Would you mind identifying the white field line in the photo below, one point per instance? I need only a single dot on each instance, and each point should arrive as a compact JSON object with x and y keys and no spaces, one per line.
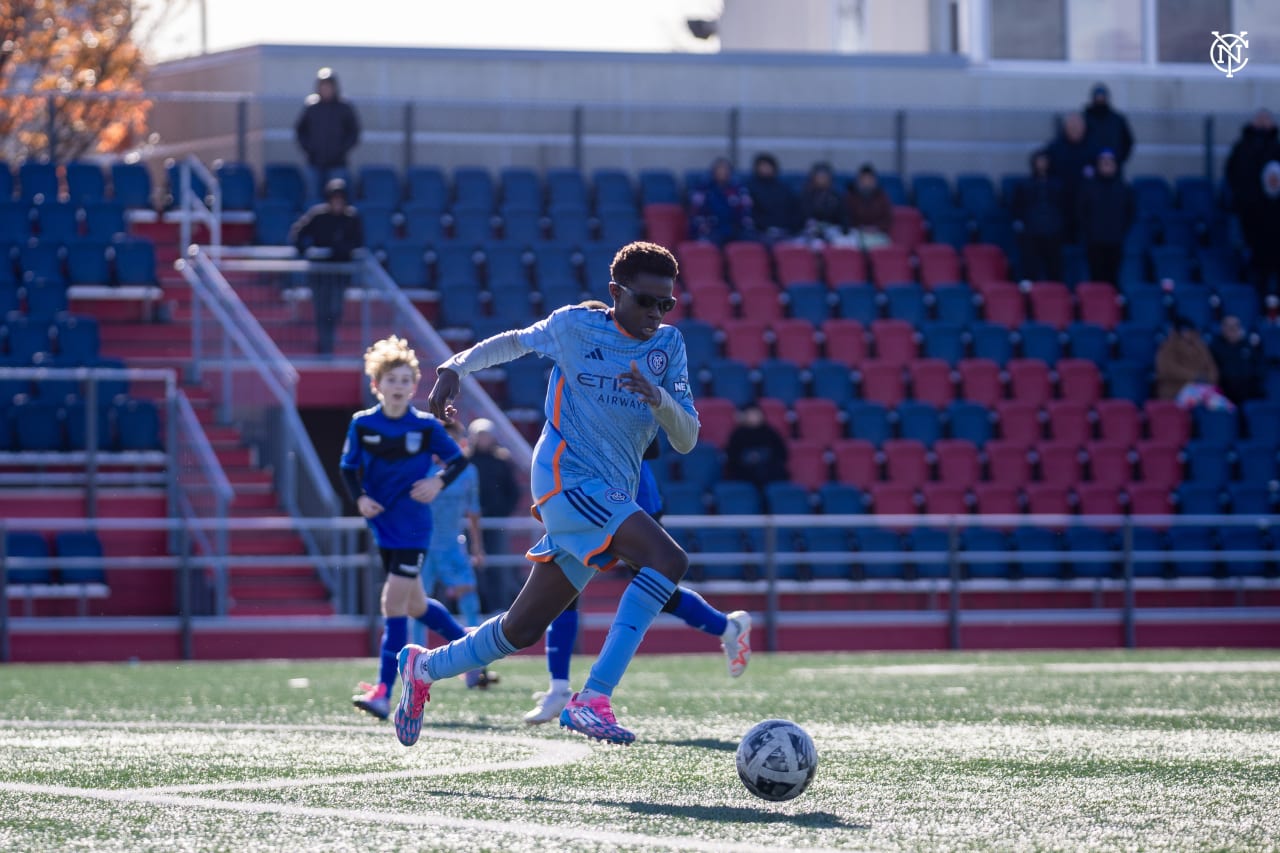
{"x":550,"y":753}
{"x":1101,"y":668}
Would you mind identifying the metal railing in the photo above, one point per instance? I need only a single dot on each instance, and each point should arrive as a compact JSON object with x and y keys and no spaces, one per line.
{"x":194,"y":208}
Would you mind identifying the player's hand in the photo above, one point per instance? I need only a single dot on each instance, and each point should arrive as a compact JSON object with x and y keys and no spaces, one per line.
{"x":637,"y":383}
{"x":368,"y":507}
{"x":443,"y":393}
{"x":425,"y":490}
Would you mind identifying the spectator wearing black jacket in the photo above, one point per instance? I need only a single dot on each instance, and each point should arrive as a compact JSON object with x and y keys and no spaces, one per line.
{"x":821,"y":205}
{"x":1251,"y":201}
{"x":774,"y":207}
{"x":336,"y":230}
{"x":755,"y":452}
{"x":1239,"y":362}
{"x":1071,"y":160}
{"x":1105,"y":211}
{"x":1107,"y":128}
{"x":1038,"y":219}
{"x":327,"y":130}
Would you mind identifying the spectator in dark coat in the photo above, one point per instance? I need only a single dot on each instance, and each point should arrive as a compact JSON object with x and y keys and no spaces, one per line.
{"x":499,"y":494}
{"x":755,"y":453}
{"x":870,"y":208}
{"x":1252,"y":200}
{"x":1106,"y":128}
{"x":1239,"y":362}
{"x":334,"y":228}
{"x":1038,"y":219}
{"x":1106,"y":211}
{"x":720,"y":209}
{"x":774,"y":207}
{"x":1260,"y":223}
{"x":327,"y":130}
{"x":821,"y":206}
{"x":1071,"y":160}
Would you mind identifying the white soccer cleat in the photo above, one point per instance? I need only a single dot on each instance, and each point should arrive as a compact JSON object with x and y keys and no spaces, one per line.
{"x":736,"y":642}
{"x":549,"y":706}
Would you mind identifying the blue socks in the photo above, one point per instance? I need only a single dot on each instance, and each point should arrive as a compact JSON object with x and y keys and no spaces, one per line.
{"x":395,"y":632}
{"x":438,"y":618}
{"x":561,"y":636}
{"x":476,"y":650}
{"x":641,"y":602}
{"x":696,"y":613}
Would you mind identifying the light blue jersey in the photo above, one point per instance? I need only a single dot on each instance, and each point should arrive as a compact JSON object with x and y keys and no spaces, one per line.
{"x":451,"y":506}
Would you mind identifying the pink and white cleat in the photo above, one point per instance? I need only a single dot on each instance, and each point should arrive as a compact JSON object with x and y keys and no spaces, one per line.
{"x":594,"y":718}
{"x":373,"y":699}
{"x":736,"y":642}
{"x":413,"y":698}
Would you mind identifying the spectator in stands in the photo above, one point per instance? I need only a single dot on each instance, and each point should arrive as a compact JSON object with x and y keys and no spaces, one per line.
{"x":821,"y":207}
{"x":1239,"y":362}
{"x":1105,"y":211}
{"x":1038,"y":219}
{"x":335,"y":229}
{"x":1260,"y":224}
{"x":1106,"y":128}
{"x":1183,"y":360}
{"x":499,"y":495}
{"x":870,"y":209}
{"x":1257,"y":146}
{"x":1071,"y":160}
{"x":755,"y":453}
{"x":720,"y":209}
{"x":774,"y":207}
{"x":327,"y":130}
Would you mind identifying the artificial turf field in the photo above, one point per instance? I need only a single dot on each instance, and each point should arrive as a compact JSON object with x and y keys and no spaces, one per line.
{"x":1134,"y":751}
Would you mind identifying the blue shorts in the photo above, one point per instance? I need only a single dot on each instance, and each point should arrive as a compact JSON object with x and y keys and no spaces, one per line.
{"x":450,"y":567}
{"x":580,"y":525}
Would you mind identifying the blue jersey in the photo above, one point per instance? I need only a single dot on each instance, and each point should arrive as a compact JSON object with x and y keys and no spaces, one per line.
{"x":451,"y":507}
{"x":392,"y":454}
{"x":595,"y":428}
{"x":647,"y":494}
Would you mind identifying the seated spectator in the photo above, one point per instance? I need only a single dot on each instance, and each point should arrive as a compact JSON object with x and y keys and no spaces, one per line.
{"x":823,"y":211}
{"x":1105,"y":211}
{"x":774,"y":207}
{"x":1071,"y":160}
{"x":1260,"y":222}
{"x":1254,"y":199}
{"x":1239,"y":362}
{"x":1182,"y":361}
{"x":1105,"y":127}
{"x":336,"y":230}
{"x":720,"y":209}
{"x":755,"y":453}
{"x":1038,"y":219}
{"x":870,"y":209}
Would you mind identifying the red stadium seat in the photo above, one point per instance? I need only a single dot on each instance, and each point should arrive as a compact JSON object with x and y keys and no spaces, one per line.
{"x":1159,"y":464}
{"x":882,"y":382}
{"x":1109,"y":464}
{"x":1059,"y":463}
{"x":807,"y":464}
{"x":760,"y":301}
{"x":984,"y":262}
{"x":906,"y":462}
{"x":1047,"y":499}
{"x":796,"y":341}
{"x":891,"y":265}
{"x":939,"y":264}
{"x":1167,"y":422}
{"x":980,"y":381}
{"x":1069,"y":422}
{"x":895,"y":341}
{"x":666,"y":224}
{"x":907,"y":228}
{"x":1008,"y":463}
{"x":856,"y":462}
{"x":680,"y":312}
{"x":700,"y":261}
{"x":1029,"y":381}
{"x":745,"y":341}
{"x":958,"y":462}
{"x":818,"y":420}
{"x":1118,"y":421}
{"x":1079,"y":380}
{"x":1098,"y":303}
{"x":996,"y":499}
{"x":795,"y":264}
{"x":1098,"y":499}
{"x":748,"y":263}
{"x":1019,"y":422}
{"x":844,"y":341}
{"x":776,"y":415}
{"x":1150,"y":499}
{"x":1003,"y":304}
{"x":893,"y":499}
{"x":931,"y":381}
{"x":844,"y":265}
{"x":718,"y":417}
{"x":944,"y":499}
{"x":1051,"y":304}
{"x":710,"y":301}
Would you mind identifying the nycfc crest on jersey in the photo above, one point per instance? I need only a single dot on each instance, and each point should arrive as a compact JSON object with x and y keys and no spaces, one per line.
{"x":657,"y":361}
{"x":618,"y":496}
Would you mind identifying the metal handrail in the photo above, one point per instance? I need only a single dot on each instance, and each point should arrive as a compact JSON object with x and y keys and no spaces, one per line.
{"x":194,"y":209}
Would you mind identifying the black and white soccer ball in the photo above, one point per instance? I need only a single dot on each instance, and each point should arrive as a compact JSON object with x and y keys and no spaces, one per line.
{"x":777,"y":760}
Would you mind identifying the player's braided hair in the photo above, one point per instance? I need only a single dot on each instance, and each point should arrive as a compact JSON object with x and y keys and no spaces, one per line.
{"x":636,"y":258}
{"x":388,"y":354}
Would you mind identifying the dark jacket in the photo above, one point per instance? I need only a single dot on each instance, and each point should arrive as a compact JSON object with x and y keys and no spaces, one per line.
{"x":720,"y":213}
{"x":1106,"y":128}
{"x":755,"y":455}
{"x":1070,"y":162}
{"x":1239,"y":369}
{"x":1038,"y":206}
{"x":1105,"y":210}
{"x":873,"y":211}
{"x":495,"y":476}
{"x":340,"y":233}
{"x":1253,"y":150}
{"x":327,"y":130}
{"x":773,"y":205}
{"x":824,"y":206}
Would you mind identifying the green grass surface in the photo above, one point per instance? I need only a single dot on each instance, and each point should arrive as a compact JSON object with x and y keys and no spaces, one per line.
{"x":1134,"y":751}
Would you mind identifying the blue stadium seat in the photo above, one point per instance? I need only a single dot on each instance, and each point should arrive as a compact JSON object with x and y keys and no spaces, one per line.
{"x":619,"y":225}
{"x":1262,"y":419}
{"x":596,"y":261}
{"x":905,"y":302}
{"x":10,"y":388}
{"x":1208,"y":463}
{"x":273,"y":220}
{"x":874,"y":540}
{"x":1192,"y":539}
{"x":930,"y":541}
{"x":1035,"y":539}
{"x":237,"y":182}
{"x":6,"y":181}
{"x":1177,"y":229}
{"x":135,"y":262}
{"x":521,"y":188}
{"x":378,"y":185}
{"x":86,"y":183}
{"x":781,"y":380}
{"x":841,"y":499}
{"x":104,"y":220}
{"x":80,"y":545}
{"x":15,"y":222}
{"x":1255,"y":498}
{"x":657,"y":186}
{"x":41,"y":261}
{"x":997,"y":228}
{"x":78,"y":340}
{"x":19,"y":543}
{"x":173,"y":172}
{"x":954,"y":303}
{"x":406,"y":263}
{"x":1145,"y":306}
{"x":504,"y":265}
{"x":977,"y":194}
{"x":38,"y":181}
{"x":700,"y":343}
{"x":991,"y":341}
{"x":1040,"y":341}
{"x":26,"y":337}
{"x":684,"y":498}
{"x":473,"y":187}
{"x":423,"y":222}
{"x":731,"y":380}
{"x":1152,"y":195}
{"x":566,"y":187}
{"x":570,"y":225}
{"x":931,"y":193}
{"x":138,"y":425}
{"x":700,"y":467}
{"x":944,"y":341}
{"x":830,"y":380}
{"x":521,"y":226}
{"x":45,"y":299}
{"x":1245,"y":539}
{"x":77,"y":428}
{"x":57,"y":222}
{"x":1128,"y":380}
{"x":893,"y":187}
{"x":732,"y":497}
{"x":1147,"y":540}
{"x":460,"y":307}
{"x":379,"y":224}
{"x":785,"y":498}
{"x":472,"y":225}
{"x":37,"y":426}
{"x":426,"y":186}
{"x":87,"y":263}
{"x":1137,"y":343}
{"x":1216,"y":426}
{"x":1192,"y":302}
{"x":1239,"y":300}
{"x":284,"y":182}
{"x":974,"y":539}
{"x":456,"y":269}
{"x":1089,"y":341}
{"x":1257,"y":460}
{"x":1090,"y":539}
{"x":1171,"y":262}
{"x":526,"y":381}
{"x":858,"y":302}
{"x":110,"y":389}
{"x":1196,"y":197}
{"x":919,"y":421}
{"x":554,"y":262}
{"x":721,"y":541}
{"x":868,"y":421}
{"x":950,"y":226}
{"x":1198,"y":499}
{"x":809,"y":301}
{"x":612,"y":187}
{"x":131,"y":185}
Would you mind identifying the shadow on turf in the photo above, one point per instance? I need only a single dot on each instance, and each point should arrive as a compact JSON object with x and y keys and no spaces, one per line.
{"x":728,"y":814}
{"x":704,"y":743}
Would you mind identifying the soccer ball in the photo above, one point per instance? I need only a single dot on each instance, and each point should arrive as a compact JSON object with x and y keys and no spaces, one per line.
{"x":777,"y":760}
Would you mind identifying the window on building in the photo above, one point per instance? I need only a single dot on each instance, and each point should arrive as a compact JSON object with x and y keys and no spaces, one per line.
{"x":1028,"y":29}
{"x":1184,"y":28}
{"x":1105,"y":30}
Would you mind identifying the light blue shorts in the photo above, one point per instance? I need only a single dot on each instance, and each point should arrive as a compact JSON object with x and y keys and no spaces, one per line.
{"x":447,"y":566}
{"x":580,"y":525}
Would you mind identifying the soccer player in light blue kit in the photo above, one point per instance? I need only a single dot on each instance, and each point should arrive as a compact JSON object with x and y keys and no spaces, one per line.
{"x":619,"y":375}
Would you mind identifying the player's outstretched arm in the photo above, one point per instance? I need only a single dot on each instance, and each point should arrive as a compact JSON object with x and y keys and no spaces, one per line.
{"x":443,"y":393}
{"x":680,"y":425}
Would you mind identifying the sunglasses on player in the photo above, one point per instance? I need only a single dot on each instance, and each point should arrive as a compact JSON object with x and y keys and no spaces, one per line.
{"x":666,"y":304}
